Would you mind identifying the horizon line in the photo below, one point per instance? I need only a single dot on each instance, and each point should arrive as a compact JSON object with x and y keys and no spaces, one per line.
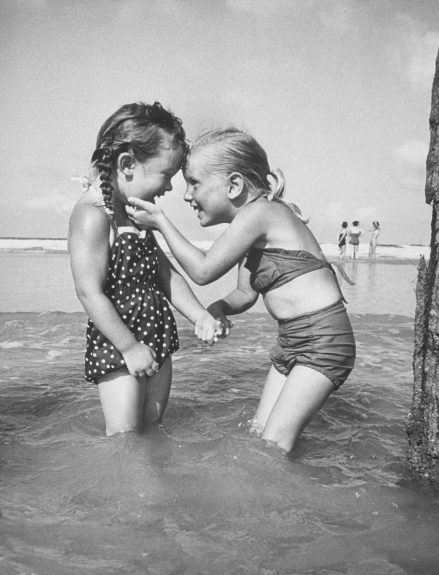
{"x":389,"y":245}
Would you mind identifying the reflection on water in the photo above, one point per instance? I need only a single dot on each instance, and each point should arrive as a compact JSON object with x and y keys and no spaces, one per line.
{"x":382,"y":288}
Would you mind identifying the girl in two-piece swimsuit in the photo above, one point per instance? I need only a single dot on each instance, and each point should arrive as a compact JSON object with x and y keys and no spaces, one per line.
{"x":229,"y":181}
{"x":322,"y":339}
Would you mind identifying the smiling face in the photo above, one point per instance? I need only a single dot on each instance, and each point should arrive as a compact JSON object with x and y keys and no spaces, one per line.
{"x":151,"y":178}
{"x":207,"y":194}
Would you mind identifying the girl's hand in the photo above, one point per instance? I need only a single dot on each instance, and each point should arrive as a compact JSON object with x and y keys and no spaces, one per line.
{"x":140,"y":360}
{"x":216,"y":310}
{"x":143,"y":214}
{"x":208,"y":329}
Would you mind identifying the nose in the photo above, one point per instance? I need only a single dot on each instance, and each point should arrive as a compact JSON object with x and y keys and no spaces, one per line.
{"x":169,"y":187}
{"x":188,"y":195}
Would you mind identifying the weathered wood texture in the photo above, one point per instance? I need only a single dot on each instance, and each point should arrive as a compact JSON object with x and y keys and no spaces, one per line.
{"x":423,"y":421}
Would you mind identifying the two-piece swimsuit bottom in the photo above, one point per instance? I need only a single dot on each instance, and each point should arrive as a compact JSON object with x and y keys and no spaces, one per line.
{"x":323,"y":339}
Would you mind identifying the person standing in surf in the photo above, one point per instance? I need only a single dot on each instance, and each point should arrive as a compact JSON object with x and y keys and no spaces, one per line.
{"x":229,"y":181}
{"x":122,"y":277}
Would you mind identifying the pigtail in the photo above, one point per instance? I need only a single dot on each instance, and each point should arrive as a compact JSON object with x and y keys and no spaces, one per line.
{"x":103,"y":160}
{"x":277,"y":191}
{"x":277,"y":183}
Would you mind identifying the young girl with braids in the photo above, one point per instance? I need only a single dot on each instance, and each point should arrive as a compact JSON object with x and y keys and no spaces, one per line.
{"x":229,"y":181}
{"x":122,"y":277}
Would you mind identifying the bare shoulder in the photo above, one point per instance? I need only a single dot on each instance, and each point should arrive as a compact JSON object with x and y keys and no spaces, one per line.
{"x":87,"y":218}
{"x":269,"y":215}
{"x":257,"y":211}
{"x":252,"y":220}
{"x":277,"y":212}
{"x":284,"y":229}
{"x":88,"y":207}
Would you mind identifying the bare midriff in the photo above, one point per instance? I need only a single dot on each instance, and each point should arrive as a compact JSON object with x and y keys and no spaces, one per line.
{"x":304,"y":294}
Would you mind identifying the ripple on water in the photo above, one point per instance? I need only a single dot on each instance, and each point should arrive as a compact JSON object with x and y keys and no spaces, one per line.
{"x":199,"y":492}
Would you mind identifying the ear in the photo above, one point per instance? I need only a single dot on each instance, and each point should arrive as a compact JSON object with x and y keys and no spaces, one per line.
{"x":125,"y":163}
{"x":235,"y":185}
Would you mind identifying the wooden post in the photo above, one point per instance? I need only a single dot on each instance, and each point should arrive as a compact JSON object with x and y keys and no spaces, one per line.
{"x":423,"y":420}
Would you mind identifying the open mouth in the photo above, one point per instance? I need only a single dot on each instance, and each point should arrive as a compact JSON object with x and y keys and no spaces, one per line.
{"x":197,"y":209}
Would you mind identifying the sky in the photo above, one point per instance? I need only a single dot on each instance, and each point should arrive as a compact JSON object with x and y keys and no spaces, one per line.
{"x":338,"y":92}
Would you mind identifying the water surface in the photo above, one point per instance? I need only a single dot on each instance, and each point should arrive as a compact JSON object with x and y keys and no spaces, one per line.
{"x":200,"y":495}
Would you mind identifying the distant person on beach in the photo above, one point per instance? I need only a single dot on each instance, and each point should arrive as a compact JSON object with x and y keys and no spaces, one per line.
{"x":122,"y":277}
{"x":342,"y":235}
{"x":229,"y":181}
{"x":375,"y":232}
{"x":355,"y":234}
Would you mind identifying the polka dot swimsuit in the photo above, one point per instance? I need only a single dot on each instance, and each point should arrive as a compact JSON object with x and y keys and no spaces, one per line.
{"x":132,"y":287}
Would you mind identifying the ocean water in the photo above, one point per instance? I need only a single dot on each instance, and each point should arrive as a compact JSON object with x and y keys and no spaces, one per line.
{"x":199,"y":495}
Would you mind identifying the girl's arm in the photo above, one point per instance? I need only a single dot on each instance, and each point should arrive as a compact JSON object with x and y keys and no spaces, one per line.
{"x":180,"y":294}
{"x":242,"y":298}
{"x":89,"y":254}
{"x":203,"y":267}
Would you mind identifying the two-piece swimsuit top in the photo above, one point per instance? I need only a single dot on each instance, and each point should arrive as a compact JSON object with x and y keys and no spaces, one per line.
{"x":271,"y":268}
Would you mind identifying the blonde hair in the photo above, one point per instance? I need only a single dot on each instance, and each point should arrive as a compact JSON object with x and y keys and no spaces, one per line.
{"x":228,"y":150}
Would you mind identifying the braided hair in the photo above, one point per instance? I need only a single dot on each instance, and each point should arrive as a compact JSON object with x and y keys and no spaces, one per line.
{"x":136,"y":128}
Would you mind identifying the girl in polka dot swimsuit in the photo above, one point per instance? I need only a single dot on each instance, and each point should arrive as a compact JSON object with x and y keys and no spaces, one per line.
{"x":122,"y":277}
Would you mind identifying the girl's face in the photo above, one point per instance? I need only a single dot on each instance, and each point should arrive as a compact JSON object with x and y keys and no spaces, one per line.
{"x":152,"y":178}
{"x":206,"y":193}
